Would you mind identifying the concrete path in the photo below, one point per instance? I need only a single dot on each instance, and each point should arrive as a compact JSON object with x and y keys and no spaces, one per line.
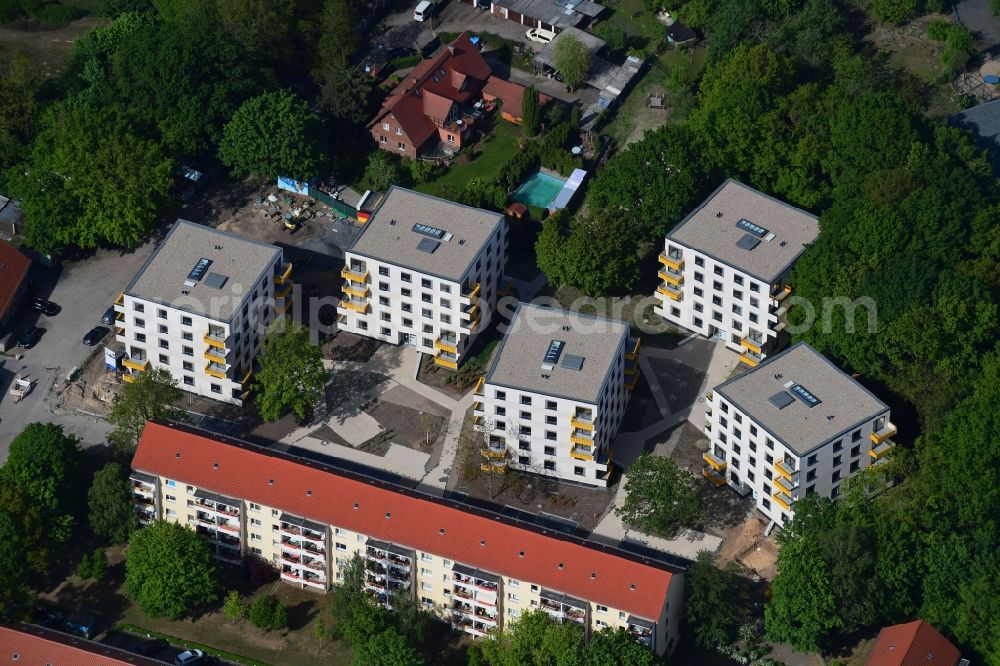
{"x":717,"y":363}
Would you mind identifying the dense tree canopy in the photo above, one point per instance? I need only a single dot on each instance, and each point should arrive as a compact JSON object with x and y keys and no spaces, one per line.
{"x":169,"y":570}
{"x":572,"y":59}
{"x":150,"y":397}
{"x":660,"y":497}
{"x":112,"y":512}
{"x":274,"y":134}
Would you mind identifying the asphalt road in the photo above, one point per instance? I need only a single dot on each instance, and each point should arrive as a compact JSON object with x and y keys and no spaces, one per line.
{"x":84,"y":289}
{"x":132,"y":642}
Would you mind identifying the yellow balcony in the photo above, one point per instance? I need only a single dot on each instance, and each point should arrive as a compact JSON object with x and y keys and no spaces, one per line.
{"x":215,"y":357}
{"x":783,"y":485}
{"x":879,"y":451}
{"x":445,"y":362}
{"x":581,"y":454}
{"x":473,"y":313}
{"x":449,"y":345}
{"x":675,"y":262}
{"x":215,"y":340}
{"x":671,"y":294}
{"x":473,"y":293}
{"x":128,"y":378}
{"x":246,"y":377}
{"x":283,"y":292}
{"x":500,"y":468}
{"x":363,"y":308}
{"x":631,"y":383}
{"x":713,"y":476}
{"x":283,"y":278}
{"x":285,"y":305}
{"x":354,"y":276}
{"x":887,"y":431}
{"x":670,"y":278}
{"x":751,"y":344}
{"x":119,"y":316}
{"x":581,"y":423}
{"x":121,"y":299}
{"x":749,"y":359}
{"x":477,"y":406}
{"x":478,"y":390}
{"x":577,"y":439}
{"x":493,"y":454}
{"x":714,"y":461}
{"x":783,"y":293}
{"x":214,"y":370}
{"x":783,"y":500}
{"x":353,"y":290}
{"x":138,"y":364}
{"x":785,"y":470}
{"x":119,"y":329}
{"x":633,"y":351}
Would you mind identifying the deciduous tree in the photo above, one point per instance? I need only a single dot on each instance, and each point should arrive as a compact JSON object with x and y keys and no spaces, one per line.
{"x":112,"y":513}
{"x":151,"y":396}
{"x":388,"y":648}
{"x":616,"y":647}
{"x":291,"y":374}
{"x":14,"y":595}
{"x":274,"y":134}
{"x":715,"y":602}
{"x":572,"y":59}
{"x":234,"y":607}
{"x":169,"y":570}
{"x":660,"y":497}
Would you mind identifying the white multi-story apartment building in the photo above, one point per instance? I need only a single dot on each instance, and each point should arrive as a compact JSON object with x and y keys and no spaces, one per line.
{"x":725,"y":266}
{"x":795,"y":424}
{"x":198,"y":308}
{"x":556,"y":394}
{"x":472,"y":568}
{"x":424,"y":272}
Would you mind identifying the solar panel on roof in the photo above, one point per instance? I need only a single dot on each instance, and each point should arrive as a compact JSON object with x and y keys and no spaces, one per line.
{"x":552,"y":354}
{"x":427,"y":245}
{"x":431,"y":232}
{"x":572,"y":361}
{"x":198,"y":272}
{"x":747,"y":242}
{"x":781,"y":400}
{"x":750,"y":227}
{"x":805,"y":396}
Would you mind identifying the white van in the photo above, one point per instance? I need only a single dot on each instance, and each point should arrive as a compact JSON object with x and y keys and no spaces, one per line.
{"x":423,"y":10}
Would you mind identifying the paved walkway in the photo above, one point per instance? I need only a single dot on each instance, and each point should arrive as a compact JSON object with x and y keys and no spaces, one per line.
{"x":717,"y":363}
{"x":399,"y":365}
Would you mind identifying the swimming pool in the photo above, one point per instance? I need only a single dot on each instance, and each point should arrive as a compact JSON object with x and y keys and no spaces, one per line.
{"x":539,"y":190}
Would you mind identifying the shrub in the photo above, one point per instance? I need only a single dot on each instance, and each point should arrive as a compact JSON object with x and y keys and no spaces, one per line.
{"x":56,"y":15}
{"x":614,"y":36}
{"x":93,"y":565}
{"x":262,"y":612}
{"x":938,"y":30}
{"x":995,"y":6}
{"x":894,"y":11}
{"x":10,"y":10}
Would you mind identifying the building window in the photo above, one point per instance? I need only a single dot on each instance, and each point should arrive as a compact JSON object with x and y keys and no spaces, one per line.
{"x":164,"y":359}
{"x":216,"y":388}
{"x":578,"y":471}
{"x":161,"y":329}
{"x":602,"y":609}
{"x":549,"y":465}
{"x":185,"y":321}
{"x":187,"y":351}
{"x":426,"y":587}
{"x":164,"y":344}
{"x":341,"y":546}
{"x":426,"y":557}
{"x":550,"y":404}
{"x":138,"y":307}
{"x":188,"y":381}
{"x":550,"y":435}
{"x":550,"y":450}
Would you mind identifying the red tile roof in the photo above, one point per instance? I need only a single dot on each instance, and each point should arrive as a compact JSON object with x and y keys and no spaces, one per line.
{"x":36,"y":646}
{"x":915,"y":643}
{"x":511,"y":93}
{"x":461,"y":62}
{"x":13,"y":269}
{"x":389,"y":513}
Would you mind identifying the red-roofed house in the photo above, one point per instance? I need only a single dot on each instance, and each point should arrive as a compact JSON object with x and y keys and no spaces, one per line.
{"x":13,"y":281}
{"x":36,"y":646}
{"x":512,"y":96}
{"x":428,"y":111}
{"x":472,"y":568}
{"x":915,"y":643}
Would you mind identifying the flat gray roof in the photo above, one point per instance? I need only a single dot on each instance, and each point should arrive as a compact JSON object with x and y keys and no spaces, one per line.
{"x":389,"y":234}
{"x":842,"y":404}
{"x":518,"y":362}
{"x":164,"y":276}
{"x":712,"y":229}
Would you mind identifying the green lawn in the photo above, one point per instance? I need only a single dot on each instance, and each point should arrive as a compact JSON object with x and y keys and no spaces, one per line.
{"x":487,"y":158}
{"x":638,"y":22}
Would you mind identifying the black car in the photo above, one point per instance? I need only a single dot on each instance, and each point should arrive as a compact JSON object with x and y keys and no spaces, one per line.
{"x":45,"y":307}
{"x":95,"y":335}
{"x":109,"y":316}
{"x":30,"y":337}
{"x":151,"y":646}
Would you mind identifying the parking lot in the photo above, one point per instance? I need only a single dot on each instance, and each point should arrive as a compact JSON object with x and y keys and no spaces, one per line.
{"x":83,"y":289}
{"x":152,"y":647}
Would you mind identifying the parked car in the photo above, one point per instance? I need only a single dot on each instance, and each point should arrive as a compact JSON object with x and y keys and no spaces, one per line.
{"x":45,"y":307}
{"x":95,"y":335}
{"x":151,"y":646}
{"x":423,"y":10}
{"x":30,"y":337}
{"x":109,"y":316}
{"x":189,"y":657}
{"x":541,"y":36}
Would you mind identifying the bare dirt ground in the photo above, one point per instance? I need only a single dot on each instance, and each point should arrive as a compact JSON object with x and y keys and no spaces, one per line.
{"x":350,"y":347}
{"x":48,"y":50}
{"x":95,"y":387}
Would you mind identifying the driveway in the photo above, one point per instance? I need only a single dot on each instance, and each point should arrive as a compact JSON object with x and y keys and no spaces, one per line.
{"x":84,"y":289}
{"x":977,"y":16}
{"x":401,"y":30}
